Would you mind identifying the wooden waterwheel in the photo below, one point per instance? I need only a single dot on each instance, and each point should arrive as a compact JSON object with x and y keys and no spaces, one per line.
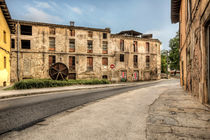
{"x":58,"y":71}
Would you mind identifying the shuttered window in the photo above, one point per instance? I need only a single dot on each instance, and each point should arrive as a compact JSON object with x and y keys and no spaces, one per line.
{"x":52,"y":44}
{"x":105,"y":47}
{"x":147,"y":47}
{"x":122,"y":45}
{"x":52,"y":60}
{"x":72,"y":45}
{"x":89,"y":46}
{"x":90,"y":63}
{"x":135,"y":46}
{"x":105,"y":61}
{"x":71,"y":63}
{"x":147,"y":61}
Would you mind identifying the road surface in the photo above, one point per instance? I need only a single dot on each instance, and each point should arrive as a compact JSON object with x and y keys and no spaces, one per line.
{"x":117,"y":117}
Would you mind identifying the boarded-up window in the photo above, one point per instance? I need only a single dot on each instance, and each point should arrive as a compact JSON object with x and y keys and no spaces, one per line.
{"x":105,"y":47}
{"x":52,"y":31}
{"x":135,"y":61}
{"x":5,"y":37}
{"x":52,"y":44}
{"x":72,"y":45}
{"x":147,"y":61}
{"x":90,"y":63}
{"x":26,"y":30}
{"x":12,"y":43}
{"x":122,"y":45}
{"x":52,"y":60}
{"x":71,"y":63}
{"x":121,"y":57}
{"x":72,"y":32}
{"x":90,"y":34}
{"x":5,"y":62}
{"x":104,"y":35}
{"x":135,"y":46}
{"x":147,"y":47}
{"x":89,"y":46}
{"x":105,"y":61}
{"x":25,"y":44}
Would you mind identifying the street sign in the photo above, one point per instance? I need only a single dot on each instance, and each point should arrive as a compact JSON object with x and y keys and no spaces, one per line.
{"x":112,"y":66}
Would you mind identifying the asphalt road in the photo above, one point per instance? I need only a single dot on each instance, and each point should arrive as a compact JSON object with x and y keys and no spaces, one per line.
{"x":19,"y":113}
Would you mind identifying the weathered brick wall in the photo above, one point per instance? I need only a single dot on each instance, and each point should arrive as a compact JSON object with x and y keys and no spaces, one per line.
{"x":193,"y":48}
{"x":34,"y":62}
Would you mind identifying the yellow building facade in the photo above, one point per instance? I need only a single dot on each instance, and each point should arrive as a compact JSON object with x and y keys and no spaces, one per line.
{"x":5,"y":41}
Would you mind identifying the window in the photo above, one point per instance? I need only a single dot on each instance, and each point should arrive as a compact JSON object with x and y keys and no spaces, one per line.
{"x":12,"y":43}
{"x":135,"y":61}
{"x":147,"y":47}
{"x":105,"y":61}
{"x":5,"y":37}
{"x":147,"y":61}
{"x":105,"y":47}
{"x":90,"y":63}
{"x":72,"y":76}
{"x":25,"y":44}
{"x":71,"y":63}
{"x":52,"y":60}
{"x":72,"y":32}
{"x":72,"y":45}
{"x":90,"y":34}
{"x":122,"y":45}
{"x":26,"y":30}
{"x":89,"y":46}
{"x":5,"y":62}
{"x":52,"y":31}
{"x":104,"y":35}
{"x":104,"y":77}
{"x":121,"y":57}
{"x":135,"y":46}
{"x":52,"y":44}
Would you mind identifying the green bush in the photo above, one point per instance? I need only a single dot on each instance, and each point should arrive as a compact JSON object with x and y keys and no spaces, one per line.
{"x":44,"y":83}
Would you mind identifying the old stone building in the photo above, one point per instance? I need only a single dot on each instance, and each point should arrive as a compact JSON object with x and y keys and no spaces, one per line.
{"x":194,"y":20}
{"x":87,"y":52}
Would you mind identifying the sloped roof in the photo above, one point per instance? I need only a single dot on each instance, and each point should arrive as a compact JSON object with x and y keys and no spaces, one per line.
{"x":175,"y":7}
{"x":6,"y":13}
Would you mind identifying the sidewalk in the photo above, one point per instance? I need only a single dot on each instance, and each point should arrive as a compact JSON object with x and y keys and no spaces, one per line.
{"x":18,"y":93}
{"x":177,"y":115}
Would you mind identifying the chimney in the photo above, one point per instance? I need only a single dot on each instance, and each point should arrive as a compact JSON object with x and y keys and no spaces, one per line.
{"x":71,"y":23}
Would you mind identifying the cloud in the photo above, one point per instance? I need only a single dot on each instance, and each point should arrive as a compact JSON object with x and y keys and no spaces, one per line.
{"x":76,"y":10}
{"x":40,"y":4}
{"x":35,"y":14}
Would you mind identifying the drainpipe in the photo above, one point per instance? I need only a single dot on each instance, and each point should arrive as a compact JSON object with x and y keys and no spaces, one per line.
{"x":18,"y":67}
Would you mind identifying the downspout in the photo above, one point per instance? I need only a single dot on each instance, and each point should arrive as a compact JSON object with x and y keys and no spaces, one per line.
{"x":18,"y":67}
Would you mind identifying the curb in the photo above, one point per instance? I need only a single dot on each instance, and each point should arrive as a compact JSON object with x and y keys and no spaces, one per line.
{"x":63,"y":90}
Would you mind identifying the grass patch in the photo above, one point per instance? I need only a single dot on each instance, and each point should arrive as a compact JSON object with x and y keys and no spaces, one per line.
{"x":45,"y":83}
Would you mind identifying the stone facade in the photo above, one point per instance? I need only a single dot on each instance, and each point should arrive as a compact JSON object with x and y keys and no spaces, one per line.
{"x":88,"y":52}
{"x":194,"y":18}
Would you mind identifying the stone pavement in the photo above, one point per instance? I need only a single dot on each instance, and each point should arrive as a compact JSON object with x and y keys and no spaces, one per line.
{"x":176,"y":115}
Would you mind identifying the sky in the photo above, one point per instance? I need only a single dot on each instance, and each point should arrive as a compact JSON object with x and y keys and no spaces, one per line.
{"x":145,"y":16}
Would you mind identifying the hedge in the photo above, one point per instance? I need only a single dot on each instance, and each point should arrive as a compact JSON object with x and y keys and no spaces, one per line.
{"x":45,"y":83}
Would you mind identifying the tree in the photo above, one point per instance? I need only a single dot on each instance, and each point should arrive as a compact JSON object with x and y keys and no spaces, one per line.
{"x":163,"y":62}
{"x":174,"y":53}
